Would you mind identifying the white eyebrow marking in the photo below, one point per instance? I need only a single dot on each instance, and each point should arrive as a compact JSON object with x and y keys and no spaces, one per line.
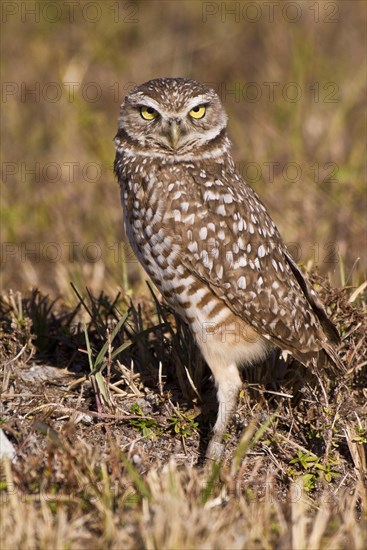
{"x":147,"y":101}
{"x":197,"y":100}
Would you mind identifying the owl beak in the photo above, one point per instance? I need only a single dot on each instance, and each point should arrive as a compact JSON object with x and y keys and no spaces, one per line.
{"x":174,"y":133}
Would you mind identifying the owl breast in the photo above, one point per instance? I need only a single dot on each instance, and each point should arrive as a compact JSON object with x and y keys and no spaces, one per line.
{"x":164,"y":217}
{"x":154,"y":230}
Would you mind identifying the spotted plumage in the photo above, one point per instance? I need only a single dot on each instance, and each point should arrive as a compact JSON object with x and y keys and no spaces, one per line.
{"x":206,"y":240}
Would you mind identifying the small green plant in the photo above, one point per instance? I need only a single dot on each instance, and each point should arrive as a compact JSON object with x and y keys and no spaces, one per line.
{"x":305,"y":460}
{"x":313,"y":433}
{"x":311,"y":471}
{"x":326,"y":470}
{"x":361,"y":436}
{"x":148,"y":427}
{"x":182,"y":424}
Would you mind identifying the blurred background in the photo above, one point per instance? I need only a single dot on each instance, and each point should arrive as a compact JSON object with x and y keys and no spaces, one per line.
{"x":291,"y":75}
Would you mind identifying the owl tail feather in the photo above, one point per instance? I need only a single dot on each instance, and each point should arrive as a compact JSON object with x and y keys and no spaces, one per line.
{"x":333,"y":358}
{"x":332,"y":335}
{"x":328,"y":327}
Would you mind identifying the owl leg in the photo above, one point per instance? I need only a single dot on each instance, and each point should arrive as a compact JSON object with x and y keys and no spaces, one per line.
{"x":228,"y":382}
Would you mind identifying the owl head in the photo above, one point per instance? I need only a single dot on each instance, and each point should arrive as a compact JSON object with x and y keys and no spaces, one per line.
{"x":171,"y":116}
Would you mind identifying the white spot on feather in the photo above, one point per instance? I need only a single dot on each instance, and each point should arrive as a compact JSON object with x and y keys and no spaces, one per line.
{"x":219,"y":271}
{"x":210,"y":195}
{"x":203,"y":233}
{"x":177,"y":215}
{"x":242,"y":282}
{"x":189,"y":219}
{"x":261,"y":251}
{"x":221,"y":210}
{"x":193,"y":246}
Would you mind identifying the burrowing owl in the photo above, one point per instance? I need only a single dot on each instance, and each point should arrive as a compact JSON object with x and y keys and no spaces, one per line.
{"x":207,"y":241}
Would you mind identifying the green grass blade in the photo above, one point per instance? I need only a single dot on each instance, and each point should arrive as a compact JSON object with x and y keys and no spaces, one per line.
{"x":208,"y":489}
{"x":136,"y":478}
{"x":89,"y":349}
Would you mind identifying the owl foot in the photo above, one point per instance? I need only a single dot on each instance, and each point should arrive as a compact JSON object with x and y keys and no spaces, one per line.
{"x":215,"y":451}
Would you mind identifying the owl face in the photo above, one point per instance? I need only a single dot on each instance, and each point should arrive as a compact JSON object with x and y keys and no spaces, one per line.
{"x":171,"y":116}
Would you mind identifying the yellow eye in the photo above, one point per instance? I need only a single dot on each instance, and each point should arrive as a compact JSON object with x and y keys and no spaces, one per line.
{"x":148,"y":113}
{"x":198,"y":111}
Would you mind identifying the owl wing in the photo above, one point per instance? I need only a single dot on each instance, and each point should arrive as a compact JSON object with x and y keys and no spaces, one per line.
{"x":235,"y":248}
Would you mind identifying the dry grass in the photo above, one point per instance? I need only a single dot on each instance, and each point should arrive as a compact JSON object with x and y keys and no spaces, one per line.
{"x":116,"y":461}
{"x":172,"y":515}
